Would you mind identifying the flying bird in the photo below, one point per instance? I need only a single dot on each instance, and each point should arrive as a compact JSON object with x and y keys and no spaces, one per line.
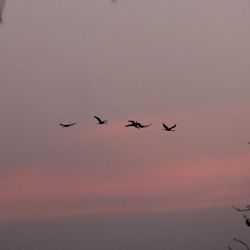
{"x":137,"y":124}
{"x":68,"y":125}
{"x":168,"y":128}
{"x":100,"y":121}
{"x":132,"y":123}
{"x":2,"y":4}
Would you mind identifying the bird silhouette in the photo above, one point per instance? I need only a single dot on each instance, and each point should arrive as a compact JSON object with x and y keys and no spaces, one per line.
{"x":100,"y":121}
{"x":136,"y":124}
{"x":247,"y":221}
{"x":168,"y":128}
{"x":2,"y":4}
{"x":132,"y":124}
{"x":67,"y":125}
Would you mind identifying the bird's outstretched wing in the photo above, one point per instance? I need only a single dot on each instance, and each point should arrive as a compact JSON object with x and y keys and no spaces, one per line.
{"x":98,"y":119}
{"x":132,"y":121}
{"x":165,"y":126}
{"x":173,"y":127}
{"x":145,"y":126}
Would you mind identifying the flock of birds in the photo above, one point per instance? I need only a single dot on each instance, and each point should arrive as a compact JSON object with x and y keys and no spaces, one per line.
{"x":131,"y":123}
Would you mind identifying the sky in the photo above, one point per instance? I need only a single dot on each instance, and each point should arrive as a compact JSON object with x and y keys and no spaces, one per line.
{"x":109,"y":187}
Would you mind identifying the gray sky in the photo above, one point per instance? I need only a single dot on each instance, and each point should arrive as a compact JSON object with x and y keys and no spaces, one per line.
{"x":184,"y":62}
{"x":211,"y":229}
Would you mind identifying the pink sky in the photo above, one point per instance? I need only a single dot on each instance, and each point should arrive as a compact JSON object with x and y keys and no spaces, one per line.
{"x":48,"y":192}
